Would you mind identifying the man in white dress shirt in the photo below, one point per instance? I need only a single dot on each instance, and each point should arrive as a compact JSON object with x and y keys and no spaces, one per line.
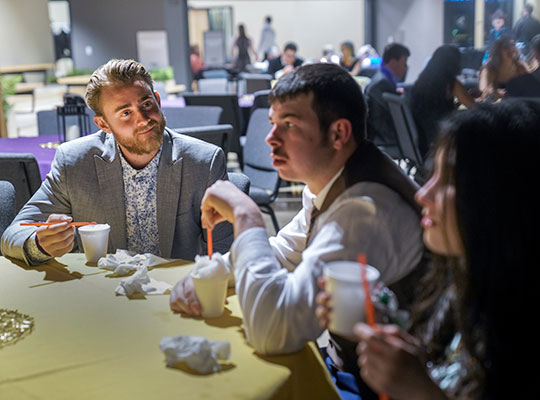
{"x":356,"y":200}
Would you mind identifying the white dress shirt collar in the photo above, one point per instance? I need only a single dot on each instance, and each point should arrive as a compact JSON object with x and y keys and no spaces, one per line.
{"x":310,"y":200}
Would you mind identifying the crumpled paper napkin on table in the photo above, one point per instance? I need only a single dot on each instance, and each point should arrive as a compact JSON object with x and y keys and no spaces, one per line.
{"x":197,"y":352}
{"x":124,"y":262}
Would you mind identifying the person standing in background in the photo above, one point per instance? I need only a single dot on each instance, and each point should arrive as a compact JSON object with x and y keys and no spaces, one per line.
{"x":242,"y":47}
{"x":267,"y":40}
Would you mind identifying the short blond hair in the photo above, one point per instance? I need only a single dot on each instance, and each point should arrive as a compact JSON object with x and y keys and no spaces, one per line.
{"x":114,"y":72}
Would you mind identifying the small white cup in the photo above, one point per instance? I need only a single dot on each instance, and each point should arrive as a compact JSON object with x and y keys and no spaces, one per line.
{"x":211,"y":294}
{"x":95,"y":239}
{"x":344,"y":283}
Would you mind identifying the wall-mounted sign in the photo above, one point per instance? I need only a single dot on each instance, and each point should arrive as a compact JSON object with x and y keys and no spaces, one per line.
{"x":152,"y":49}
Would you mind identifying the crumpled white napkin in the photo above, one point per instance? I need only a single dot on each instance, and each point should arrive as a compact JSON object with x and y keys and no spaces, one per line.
{"x":214,"y":269}
{"x":197,"y":352}
{"x":124,"y":262}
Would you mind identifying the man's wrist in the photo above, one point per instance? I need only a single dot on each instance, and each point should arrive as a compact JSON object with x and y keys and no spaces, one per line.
{"x":41,"y":248}
{"x":246,"y":218}
{"x":34,"y":252}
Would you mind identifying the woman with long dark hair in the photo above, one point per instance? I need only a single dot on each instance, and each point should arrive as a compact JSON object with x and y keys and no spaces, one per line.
{"x":241,"y":49}
{"x":481,"y":295}
{"x":502,"y":65}
{"x":471,"y":335}
{"x":436,"y":93}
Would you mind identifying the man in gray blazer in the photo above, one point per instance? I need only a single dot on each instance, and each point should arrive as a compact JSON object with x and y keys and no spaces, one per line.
{"x":144,"y":180}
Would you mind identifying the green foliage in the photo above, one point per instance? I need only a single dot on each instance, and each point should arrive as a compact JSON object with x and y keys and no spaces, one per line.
{"x":8,"y":83}
{"x":80,"y":71}
{"x":162,"y":74}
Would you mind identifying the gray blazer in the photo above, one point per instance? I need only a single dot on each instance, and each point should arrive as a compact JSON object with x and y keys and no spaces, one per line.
{"x":86,"y":182}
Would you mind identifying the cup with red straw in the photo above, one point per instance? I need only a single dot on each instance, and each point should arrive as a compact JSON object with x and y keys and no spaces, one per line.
{"x":370,"y":310}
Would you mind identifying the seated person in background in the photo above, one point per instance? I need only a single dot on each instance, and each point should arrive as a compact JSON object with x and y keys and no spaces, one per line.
{"x":527,"y":85}
{"x":142,"y":179}
{"x":434,"y":92}
{"x":285,"y":63}
{"x":348,"y":61}
{"x":356,"y":200}
{"x":464,"y":342}
{"x":498,"y":30}
{"x":502,"y":65}
{"x":526,"y":27}
{"x":380,"y":128}
{"x":197,"y":63}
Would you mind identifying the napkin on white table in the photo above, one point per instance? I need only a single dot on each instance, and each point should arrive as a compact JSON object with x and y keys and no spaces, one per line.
{"x":197,"y":352}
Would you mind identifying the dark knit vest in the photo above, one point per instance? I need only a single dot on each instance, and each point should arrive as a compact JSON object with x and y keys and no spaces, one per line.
{"x":369,"y":164}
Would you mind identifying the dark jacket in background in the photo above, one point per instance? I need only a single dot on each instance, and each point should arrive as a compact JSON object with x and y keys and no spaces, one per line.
{"x":380,"y":128}
{"x":275,"y":64}
{"x":527,"y":85}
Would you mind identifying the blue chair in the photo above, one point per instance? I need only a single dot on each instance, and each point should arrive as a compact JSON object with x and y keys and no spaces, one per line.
{"x":215,"y":134}
{"x":407,"y":134}
{"x":48,"y":123}
{"x":191,"y":116}
{"x":265,"y":181}
{"x":231,"y":114}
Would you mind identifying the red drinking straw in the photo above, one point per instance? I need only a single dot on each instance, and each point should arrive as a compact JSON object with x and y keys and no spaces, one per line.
{"x":209,"y":242}
{"x":370,"y":310}
{"x":54,"y":223}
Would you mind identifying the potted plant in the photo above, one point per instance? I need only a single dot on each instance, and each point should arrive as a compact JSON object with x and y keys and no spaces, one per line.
{"x":8,"y":83}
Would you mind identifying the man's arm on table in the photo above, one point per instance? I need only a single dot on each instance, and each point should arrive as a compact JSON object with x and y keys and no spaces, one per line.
{"x":50,"y":203}
{"x":287,"y":246}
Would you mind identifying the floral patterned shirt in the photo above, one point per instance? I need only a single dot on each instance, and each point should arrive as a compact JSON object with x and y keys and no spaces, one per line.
{"x":140,"y":201}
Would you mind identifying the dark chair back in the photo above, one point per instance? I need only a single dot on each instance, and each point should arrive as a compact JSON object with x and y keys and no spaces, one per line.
{"x":260,"y":100}
{"x":407,"y":135}
{"x":8,"y":208}
{"x":22,"y":170}
{"x":256,"y":82}
{"x":191,"y":116}
{"x":215,"y":73}
{"x":368,"y":71}
{"x":231,"y":113}
{"x":48,"y":123}
{"x":215,"y":134}
{"x":257,"y":158}
{"x":240,"y":180}
{"x":265,"y":181}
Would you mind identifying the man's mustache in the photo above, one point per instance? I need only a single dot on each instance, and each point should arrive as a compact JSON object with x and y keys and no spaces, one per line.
{"x":151,"y":125}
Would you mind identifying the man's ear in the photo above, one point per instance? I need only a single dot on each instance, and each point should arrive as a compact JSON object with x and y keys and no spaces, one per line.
{"x":102,"y":124}
{"x":340,"y":133}
{"x":158,"y":98}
